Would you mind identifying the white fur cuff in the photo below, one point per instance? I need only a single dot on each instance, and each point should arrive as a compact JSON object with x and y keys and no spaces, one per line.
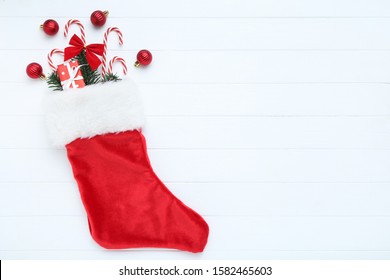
{"x":92,"y":110}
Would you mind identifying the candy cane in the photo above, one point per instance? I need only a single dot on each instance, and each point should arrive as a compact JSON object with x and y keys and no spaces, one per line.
{"x":50,"y":59}
{"x":80,"y":25}
{"x":119,"y":59}
{"x":104,"y":58}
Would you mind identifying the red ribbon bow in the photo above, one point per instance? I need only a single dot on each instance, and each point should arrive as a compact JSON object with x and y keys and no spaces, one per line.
{"x":91,"y":51}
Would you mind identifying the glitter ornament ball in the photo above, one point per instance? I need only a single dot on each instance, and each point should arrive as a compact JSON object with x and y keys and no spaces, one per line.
{"x":35,"y":71}
{"x":98,"y":18}
{"x":144,"y":57}
{"x":50,"y":27}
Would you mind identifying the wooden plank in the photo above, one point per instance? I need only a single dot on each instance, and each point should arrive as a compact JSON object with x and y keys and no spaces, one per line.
{"x":212,"y":34}
{"x":228,"y":132}
{"x":267,"y":132}
{"x":228,"y":100}
{"x":217,"y":199}
{"x":193,"y":165}
{"x":255,"y":233}
{"x":226,"y":66}
{"x":202,"y":8}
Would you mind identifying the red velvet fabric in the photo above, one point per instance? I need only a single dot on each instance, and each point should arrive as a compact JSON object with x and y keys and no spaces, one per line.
{"x":126,"y":203}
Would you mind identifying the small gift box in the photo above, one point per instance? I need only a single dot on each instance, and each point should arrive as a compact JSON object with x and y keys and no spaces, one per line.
{"x":70,"y":75}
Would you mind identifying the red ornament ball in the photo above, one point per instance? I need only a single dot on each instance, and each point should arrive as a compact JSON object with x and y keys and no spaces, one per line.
{"x":34,"y":71}
{"x":144,"y":57}
{"x":98,"y":18}
{"x":50,"y":27}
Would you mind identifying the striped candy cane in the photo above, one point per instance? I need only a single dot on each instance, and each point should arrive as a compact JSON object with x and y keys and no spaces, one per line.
{"x":104,"y":58}
{"x":50,"y":58}
{"x":80,"y":25}
{"x":119,"y":59}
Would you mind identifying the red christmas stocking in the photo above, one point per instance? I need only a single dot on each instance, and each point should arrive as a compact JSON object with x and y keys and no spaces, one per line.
{"x":126,"y":203}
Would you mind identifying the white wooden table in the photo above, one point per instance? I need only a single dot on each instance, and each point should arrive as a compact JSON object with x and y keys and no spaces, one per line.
{"x":268,"y":117}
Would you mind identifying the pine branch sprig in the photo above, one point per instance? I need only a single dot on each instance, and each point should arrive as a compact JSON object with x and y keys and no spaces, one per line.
{"x":111,"y":77}
{"x":54,"y":82}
